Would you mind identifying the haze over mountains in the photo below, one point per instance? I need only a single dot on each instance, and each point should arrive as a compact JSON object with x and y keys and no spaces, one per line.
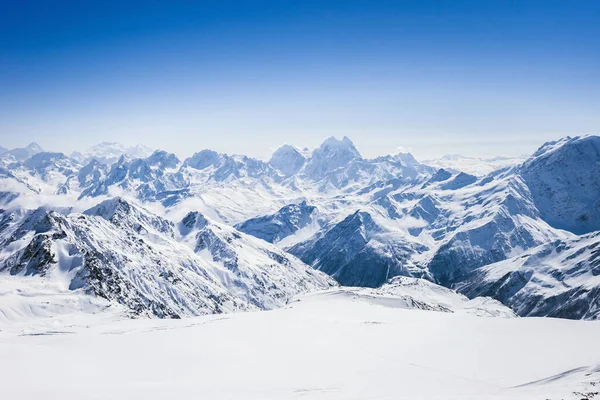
{"x":217,"y":233}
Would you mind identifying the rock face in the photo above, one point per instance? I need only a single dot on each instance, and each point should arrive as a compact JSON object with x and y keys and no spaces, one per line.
{"x":285,"y":222}
{"x":558,"y":279}
{"x":124,"y":253}
{"x":359,"y":252}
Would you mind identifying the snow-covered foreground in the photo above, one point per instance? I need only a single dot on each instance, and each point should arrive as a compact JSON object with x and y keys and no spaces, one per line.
{"x":337,"y":344}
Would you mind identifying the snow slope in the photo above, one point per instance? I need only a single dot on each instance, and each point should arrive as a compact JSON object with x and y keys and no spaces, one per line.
{"x":374,"y":219}
{"x":323,"y":346}
{"x":122,"y":252}
{"x":557,"y":279}
{"x":361,"y":251}
{"x":564,"y":179}
{"x":285,"y":222}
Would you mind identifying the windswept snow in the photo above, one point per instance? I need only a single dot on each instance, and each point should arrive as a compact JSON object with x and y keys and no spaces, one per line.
{"x":322,"y":346}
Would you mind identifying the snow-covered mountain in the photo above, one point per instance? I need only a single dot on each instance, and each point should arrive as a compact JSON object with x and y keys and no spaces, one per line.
{"x":285,"y":222}
{"x":425,"y":295}
{"x":20,"y":154}
{"x":556,"y":279}
{"x":288,"y":160}
{"x":564,"y":180}
{"x":126,"y":254}
{"x":259,"y":272}
{"x":332,"y":154}
{"x":237,"y":221}
{"x":139,"y":175}
{"x":361,"y":251}
{"x":43,"y":172}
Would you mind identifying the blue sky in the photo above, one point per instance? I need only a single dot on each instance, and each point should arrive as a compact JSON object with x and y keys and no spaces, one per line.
{"x":471,"y":77}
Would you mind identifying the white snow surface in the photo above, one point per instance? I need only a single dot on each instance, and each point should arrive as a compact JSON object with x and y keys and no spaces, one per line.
{"x":326,"y":345}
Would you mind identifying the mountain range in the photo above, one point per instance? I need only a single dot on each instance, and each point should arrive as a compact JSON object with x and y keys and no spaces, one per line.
{"x":218,"y":233}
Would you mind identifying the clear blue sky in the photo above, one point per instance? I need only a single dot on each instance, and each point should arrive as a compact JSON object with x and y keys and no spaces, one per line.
{"x":470,"y":77}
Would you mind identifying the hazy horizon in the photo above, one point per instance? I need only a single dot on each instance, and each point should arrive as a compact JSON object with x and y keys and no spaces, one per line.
{"x":400,"y":149}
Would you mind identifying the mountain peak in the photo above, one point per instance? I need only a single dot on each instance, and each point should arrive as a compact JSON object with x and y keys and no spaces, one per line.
{"x":203,"y":159}
{"x":163,"y":159}
{"x":193,"y":220}
{"x":333,"y":144}
{"x":34,"y":147}
{"x":331,"y":155}
{"x":287,"y":159}
{"x":108,"y":208}
{"x":564,"y":179}
{"x":563,"y":144}
{"x":123,"y":212}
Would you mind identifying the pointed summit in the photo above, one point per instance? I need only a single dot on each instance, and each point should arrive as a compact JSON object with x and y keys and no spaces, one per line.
{"x":125,"y":213}
{"x":34,"y":148}
{"x":21,"y":154}
{"x":332,"y":154}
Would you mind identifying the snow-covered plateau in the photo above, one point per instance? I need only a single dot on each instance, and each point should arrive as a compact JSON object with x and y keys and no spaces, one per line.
{"x":337,"y":344}
{"x":127,"y":272}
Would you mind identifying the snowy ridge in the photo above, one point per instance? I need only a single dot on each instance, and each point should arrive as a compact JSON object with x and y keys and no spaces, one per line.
{"x":285,"y":222}
{"x":362,"y":221}
{"x":419,"y":294}
{"x":557,"y":279}
{"x":563,"y":179}
{"x":123,"y":253}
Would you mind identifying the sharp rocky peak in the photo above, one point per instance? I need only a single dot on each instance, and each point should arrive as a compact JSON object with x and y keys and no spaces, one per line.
{"x":192,"y":221}
{"x":122,"y":212}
